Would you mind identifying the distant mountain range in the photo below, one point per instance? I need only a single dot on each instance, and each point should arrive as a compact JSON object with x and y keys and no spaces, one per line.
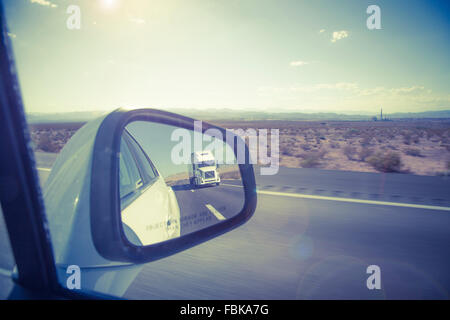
{"x":63,"y":117}
{"x":241,"y":115}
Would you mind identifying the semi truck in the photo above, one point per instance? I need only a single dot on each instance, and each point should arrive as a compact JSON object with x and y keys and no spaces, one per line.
{"x":203,"y":169}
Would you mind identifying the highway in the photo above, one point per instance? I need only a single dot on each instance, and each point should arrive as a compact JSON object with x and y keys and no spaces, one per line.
{"x":206,"y":206}
{"x":313,"y":235}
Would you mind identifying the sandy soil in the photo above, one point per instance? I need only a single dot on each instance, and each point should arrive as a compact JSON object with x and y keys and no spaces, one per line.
{"x":421,"y":146}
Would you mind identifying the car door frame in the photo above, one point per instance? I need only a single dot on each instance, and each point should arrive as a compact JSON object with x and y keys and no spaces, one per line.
{"x":21,"y":198}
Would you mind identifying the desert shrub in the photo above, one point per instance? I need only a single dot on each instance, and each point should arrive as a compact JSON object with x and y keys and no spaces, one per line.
{"x":322,"y":153}
{"x":365,"y":153}
{"x":407,"y":138}
{"x":335,"y":145}
{"x":351,"y":133}
{"x":445,"y":173}
{"x":312,"y":159}
{"x":385,"y":162}
{"x":319,"y":154}
{"x":413,"y":152}
{"x":305,"y":147}
{"x":286,"y":151}
{"x":391,"y":136}
{"x":309,"y":163}
{"x":46,"y":144}
{"x":350,"y":152}
{"x":366,"y":140}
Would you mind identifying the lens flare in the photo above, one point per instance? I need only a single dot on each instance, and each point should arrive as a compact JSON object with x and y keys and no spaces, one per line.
{"x":109,"y":4}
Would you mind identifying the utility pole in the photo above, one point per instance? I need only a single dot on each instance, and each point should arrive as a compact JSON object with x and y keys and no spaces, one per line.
{"x":381,"y":114}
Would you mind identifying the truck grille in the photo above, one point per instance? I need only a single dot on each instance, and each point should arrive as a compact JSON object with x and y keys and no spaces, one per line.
{"x":209,"y":175}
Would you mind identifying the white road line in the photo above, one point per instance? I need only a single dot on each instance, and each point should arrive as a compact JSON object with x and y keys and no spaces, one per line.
{"x":309,"y":196}
{"x":192,"y":190}
{"x":381,"y":203}
{"x":215,"y":212}
{"x":5,"y":273}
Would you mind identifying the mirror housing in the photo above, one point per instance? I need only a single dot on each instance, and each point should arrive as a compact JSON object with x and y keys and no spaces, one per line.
{"x":106,"y":224}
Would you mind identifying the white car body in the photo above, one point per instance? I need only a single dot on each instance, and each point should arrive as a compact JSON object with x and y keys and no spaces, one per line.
{"x":67,"y":204}
{"x":155,"y":215}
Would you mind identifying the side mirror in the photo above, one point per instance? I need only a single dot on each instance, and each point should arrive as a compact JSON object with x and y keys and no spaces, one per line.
{"x":148,"y":200}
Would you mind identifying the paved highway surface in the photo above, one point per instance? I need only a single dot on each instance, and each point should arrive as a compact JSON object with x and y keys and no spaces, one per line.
{"x":206,"y":206}
{"x":313,"y":235}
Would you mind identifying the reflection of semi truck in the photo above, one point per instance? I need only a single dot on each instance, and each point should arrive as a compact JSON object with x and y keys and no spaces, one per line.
{"x":203,"y":169}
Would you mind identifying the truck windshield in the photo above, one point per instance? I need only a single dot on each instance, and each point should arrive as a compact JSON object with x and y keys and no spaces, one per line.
{"x":207,"y":163}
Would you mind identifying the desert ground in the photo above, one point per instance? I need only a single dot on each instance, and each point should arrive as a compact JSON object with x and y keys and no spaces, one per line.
{"x":419,"y":147}
{"x":411,"y":146}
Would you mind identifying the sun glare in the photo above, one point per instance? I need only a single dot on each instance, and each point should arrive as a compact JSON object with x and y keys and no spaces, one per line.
{"x":109,"y":4}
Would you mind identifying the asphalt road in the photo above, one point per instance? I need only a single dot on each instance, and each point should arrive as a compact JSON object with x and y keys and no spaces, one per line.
{"x":319,"y":248}
{"x":395,"y":187}
{"x":206,"y":206}
{"x":311,"y":249}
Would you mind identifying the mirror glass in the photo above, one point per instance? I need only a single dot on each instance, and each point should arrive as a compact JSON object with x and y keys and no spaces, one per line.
{"x":175,"y":181}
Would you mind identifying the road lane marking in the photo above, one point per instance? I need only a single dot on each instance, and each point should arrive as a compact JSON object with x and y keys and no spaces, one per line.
{"x":215,"y":212}
{"x":230,"y":185}
{"x":192,"y":190}
{"x":309,"y":196}
{"x":5,"y":272}
{"x":383,"y":203}
{"x":375,"y":202}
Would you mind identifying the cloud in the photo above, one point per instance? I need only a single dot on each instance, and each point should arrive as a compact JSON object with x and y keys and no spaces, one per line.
{"x":408,"y":90}
{"x":352,"y":96}
{"x":339,"y":35}
{"x":344,"y":86}
{"x":298,"y":63}
{"x":12,"y":35}
{"x":327,"y":86}
{"x":354,"y":89}
{"x":44,"y":3}
{"x":337,"y":86}
{"x":413,"y":90}
{"x":322,"y":30}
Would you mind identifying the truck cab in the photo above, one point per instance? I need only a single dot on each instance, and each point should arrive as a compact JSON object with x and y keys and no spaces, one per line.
{"x":203,"y":169}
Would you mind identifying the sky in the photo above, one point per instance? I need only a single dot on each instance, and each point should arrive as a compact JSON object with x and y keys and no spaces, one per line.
{"x":253,"y":55}
{"x":160,"y":150}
